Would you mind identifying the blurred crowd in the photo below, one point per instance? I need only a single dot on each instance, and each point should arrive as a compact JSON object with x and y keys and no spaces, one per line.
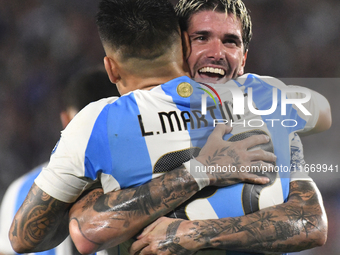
{"x":43,"y":43}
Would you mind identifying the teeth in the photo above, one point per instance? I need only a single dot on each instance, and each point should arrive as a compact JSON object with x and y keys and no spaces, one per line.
{"x":212,"y":70}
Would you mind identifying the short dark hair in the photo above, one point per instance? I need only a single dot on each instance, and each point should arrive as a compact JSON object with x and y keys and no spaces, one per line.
{"x":186,"y":8}
{"x":138,"y":28}
{"x":88,"y":86}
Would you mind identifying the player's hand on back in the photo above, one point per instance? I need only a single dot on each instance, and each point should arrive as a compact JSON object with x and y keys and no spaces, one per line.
{"x":228,"y":162}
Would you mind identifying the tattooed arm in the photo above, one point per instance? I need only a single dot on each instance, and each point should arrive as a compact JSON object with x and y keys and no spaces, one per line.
{"x":99,"y":221}
{"x":299,"y":224}
{"x":40,"y":223}
{"x":102,"y":220}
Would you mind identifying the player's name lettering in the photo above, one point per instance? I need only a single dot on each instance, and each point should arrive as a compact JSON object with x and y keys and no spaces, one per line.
{"x":175,"y":121}
{"x":257,"y":123}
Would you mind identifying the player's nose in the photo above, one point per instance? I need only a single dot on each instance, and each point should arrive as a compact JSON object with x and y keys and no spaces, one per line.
{"x":216,"y":50}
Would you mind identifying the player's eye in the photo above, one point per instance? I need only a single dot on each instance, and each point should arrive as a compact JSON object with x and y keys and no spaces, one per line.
{"x":199,"y":38}
{"x":230,"y":41}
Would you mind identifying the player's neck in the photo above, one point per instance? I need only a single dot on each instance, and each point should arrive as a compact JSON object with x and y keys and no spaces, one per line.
{"x":151,"y":78}
{"x":163,"y":75}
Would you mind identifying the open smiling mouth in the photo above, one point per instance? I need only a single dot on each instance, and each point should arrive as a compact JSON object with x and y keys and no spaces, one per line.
{"x":211,"y":72}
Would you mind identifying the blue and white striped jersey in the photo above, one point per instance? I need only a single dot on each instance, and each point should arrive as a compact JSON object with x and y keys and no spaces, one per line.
{"x":128,"y":141}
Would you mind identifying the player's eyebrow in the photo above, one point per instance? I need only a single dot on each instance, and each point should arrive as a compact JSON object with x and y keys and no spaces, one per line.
{"x":235,"y":37}
{"x":232,"y":36}
{"x":201,"y":32}
{"x":229,"y":36}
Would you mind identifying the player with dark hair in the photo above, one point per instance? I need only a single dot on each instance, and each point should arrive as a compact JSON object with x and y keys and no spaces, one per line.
{"x":221,"y":75}
{"x":106,"y":143}
{"x":220,"y":32}
{"x":214,"y":74}
{"x":85,"y":87}
{"x":125,"y":142}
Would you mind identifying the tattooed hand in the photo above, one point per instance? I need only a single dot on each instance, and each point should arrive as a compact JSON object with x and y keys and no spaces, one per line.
{"x":164,"y":236}
{"x":238,"y":162}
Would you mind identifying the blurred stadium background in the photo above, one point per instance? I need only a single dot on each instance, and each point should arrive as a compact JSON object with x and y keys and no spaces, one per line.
{"x":42,"y":43}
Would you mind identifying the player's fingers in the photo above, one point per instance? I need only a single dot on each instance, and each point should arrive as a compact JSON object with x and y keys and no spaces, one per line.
{"x":146,"y":251}
{"x":255,"y":140}
{"x":149,"y":228}
{"x":261,"y":155}
{"x":255,"y":179}
{"x":137,"y":246}
{"x":221,"y":130}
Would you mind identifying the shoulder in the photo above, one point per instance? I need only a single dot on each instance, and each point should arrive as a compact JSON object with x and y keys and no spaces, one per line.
{"x":93,"y":109}
{"x":84,"y":120}
{"x":269,"y":80}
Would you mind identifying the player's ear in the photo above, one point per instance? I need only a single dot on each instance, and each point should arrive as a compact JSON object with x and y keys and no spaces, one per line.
{"x":186,"y":45}
{"x":111,"y":69}
{"x":243,"y":63}
{"x":67,"y":115}
{"x":65,"y":118}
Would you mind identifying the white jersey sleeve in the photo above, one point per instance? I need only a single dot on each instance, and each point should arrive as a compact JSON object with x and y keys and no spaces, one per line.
{"x":63,"y":178}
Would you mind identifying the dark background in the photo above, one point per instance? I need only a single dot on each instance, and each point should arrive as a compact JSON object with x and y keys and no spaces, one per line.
{"x":42,"y":43}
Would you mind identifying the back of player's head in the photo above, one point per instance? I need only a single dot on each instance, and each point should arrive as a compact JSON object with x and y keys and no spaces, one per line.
{"x":88,"y":86}
{"x":143,"y":29}
{"x":186,"y":8}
